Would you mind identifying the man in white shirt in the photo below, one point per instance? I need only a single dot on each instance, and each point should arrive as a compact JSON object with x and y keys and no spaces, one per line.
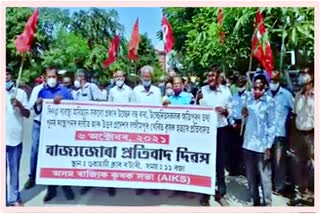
{"x":35,"y":136}
{"x":302,"y":140}
{"x":85,"y":90}
{"x":16,"y":110}
{"x":219,"y":97}
{"x":121,"y":93}
{"x":147,"y":94}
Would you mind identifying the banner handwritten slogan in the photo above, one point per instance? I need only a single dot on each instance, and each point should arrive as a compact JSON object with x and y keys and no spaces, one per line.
{"x":127,"y":146}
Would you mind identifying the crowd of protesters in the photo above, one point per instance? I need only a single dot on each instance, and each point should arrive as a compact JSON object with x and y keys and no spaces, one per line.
{"x":264,"y":131}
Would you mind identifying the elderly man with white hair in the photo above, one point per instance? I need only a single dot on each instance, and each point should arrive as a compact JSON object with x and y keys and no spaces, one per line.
{"x":146,"y":93}
{"x":121,"y":93}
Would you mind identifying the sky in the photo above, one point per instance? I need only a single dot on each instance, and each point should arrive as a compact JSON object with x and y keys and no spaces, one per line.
{"x":149,"y":21}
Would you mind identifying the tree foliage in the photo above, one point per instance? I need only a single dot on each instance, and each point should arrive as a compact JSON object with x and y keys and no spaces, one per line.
{"x":72,"y":41}
{"x":198,"y":45}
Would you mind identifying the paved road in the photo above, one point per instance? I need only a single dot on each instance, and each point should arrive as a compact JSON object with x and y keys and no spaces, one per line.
{"x":236,"y":187}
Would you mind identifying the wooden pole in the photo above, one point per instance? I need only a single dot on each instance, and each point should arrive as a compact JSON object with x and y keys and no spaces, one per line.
{"x":19,"y":75}
{"x":165,"y":62}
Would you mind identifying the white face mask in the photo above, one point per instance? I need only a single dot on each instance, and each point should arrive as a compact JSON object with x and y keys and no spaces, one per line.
{"x":119,"y":83}
{"x":169,"y":92}
{"x":274,"y":86}
{"x":52,"y":82}
{"x":76,"y":83}
{"x":303,"y":79}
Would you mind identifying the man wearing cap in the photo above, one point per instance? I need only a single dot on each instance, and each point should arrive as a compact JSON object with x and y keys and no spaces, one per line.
{"x":283,"y":106}
{"x":16,"y":111}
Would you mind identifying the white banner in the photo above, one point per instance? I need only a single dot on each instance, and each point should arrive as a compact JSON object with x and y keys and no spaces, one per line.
{"x":130,"y":146}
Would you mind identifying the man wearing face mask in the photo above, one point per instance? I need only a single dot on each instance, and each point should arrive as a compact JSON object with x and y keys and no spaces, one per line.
{"x":258,"y":140}
{"x":121,"y":93}
{"x":86,"y":91}
{"x":219,"y":97}
{"x":35,"y":133}
{"x":16,"y":111}
{"x":55,"y":91}
{"x":302,"y":141}
{"x":147,"y":94}
{"x":235,"y":120}
{"x":112,"y":83}
{"x":179,"y":97}
{"x":284,"y":105}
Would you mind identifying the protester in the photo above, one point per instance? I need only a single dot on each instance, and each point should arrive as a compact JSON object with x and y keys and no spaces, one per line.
{"x":121,"y":93}
{"x":284,"y":105}
{"x":258,"y":140}
{"x":146,"y":93}
{"x":112,"y":83}
{"x":162,"y":82}
{"x":53,"y":90}
{"x":103,"y":91}
{"x":302,"y":137}
{"x":168,"y":91}
{"x":86,"y":90}
{"x":16,"y":111}
{"x":150,"y":95}
{"x":235,"y":156}
{"x":219,"y":97}
{"x":171,"y":75}
{"x":179,"y":97}
{"x":35,"y":133}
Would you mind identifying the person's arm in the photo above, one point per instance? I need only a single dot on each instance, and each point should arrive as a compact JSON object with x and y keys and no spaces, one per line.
{"x":33,"y":98}
{"x":22,"y":104}
{"x":38,"y":104}
{"x":270,"y":128}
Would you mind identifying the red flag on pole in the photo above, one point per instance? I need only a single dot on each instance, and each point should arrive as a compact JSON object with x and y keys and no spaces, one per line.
{"x":113,"y":49}
{"x":220,"y":22}
{"x":134,"y":42}
{"x":24,"y":40}
{"x":261,"y":53}
{"x":167,"y":35}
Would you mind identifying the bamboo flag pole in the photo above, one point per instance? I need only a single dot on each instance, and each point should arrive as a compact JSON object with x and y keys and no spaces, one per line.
{"x":19,"y":75}
{"x":250,"y":84}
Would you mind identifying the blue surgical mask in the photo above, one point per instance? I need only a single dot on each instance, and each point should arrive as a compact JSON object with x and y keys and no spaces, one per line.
{"x":146,"y":83}
{"x":9,"y":85}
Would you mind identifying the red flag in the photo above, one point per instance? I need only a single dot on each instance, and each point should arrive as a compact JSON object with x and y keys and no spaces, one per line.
{"x":113,"y":49}
{"x":134,"y":42}
{"x":263,"y":55}
{"x":24,"y":40}
{"x":220,"y":22}
{"x":167,"y":35}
